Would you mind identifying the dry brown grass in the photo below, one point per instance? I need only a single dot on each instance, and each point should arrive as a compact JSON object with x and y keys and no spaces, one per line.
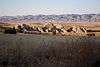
{"x":26,"y":50}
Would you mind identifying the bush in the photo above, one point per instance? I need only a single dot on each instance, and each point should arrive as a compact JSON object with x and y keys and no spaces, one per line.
{"x":27,"y":27}
{"x":20,"y":29}
{"x":10,"y":31}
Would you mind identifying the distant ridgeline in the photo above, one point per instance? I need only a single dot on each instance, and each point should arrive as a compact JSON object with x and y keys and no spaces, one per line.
{"x":58,"y":18}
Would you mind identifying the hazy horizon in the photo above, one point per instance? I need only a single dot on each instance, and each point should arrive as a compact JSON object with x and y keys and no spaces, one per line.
{"x":48,"y":7}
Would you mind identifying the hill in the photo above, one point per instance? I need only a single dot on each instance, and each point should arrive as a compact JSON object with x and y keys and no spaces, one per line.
{"x":57,"y":18}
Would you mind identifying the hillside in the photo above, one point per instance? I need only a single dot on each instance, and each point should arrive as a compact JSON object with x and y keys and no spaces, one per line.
{"x":57,"y":18}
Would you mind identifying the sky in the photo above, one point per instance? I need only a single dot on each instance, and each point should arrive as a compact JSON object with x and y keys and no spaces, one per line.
{"x":48,"y":7}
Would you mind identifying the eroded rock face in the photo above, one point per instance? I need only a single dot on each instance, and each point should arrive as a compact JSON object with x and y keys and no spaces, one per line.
{"x":49,"y":51}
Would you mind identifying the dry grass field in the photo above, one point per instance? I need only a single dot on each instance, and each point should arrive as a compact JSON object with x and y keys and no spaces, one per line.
{"x":29,"y":50}
{"x":33,"y":50}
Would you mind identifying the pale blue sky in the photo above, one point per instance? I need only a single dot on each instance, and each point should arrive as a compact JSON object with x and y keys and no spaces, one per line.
{"x":34,"y":7}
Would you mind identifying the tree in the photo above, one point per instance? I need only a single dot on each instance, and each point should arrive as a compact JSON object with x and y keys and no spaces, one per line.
{"x":10,"y":31}
{"x":54,"y":30}
{"x":27,"y":27}
{"x":20,"y":29}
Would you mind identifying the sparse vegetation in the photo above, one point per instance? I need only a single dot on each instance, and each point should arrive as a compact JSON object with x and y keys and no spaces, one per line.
{"x":49,"y":51}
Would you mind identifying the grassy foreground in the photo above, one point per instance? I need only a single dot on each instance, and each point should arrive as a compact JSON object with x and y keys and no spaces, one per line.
{"x":29,"y":50}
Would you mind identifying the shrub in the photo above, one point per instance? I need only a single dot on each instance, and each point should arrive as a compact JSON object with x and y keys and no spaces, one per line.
{"x":27,"y":27}
{"x":20,"y":29}
{"x":10,"y":31}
